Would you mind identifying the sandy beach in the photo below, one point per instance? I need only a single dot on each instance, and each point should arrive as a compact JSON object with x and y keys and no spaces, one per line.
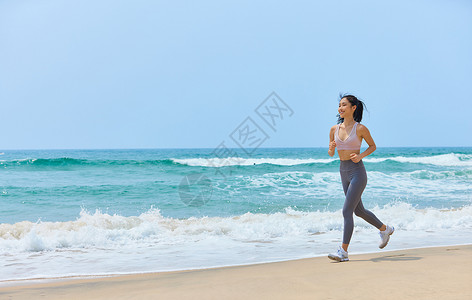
{"x":426,"y":273}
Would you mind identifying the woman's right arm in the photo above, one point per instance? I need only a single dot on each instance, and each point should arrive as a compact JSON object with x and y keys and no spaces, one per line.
{"x":332,"y":143}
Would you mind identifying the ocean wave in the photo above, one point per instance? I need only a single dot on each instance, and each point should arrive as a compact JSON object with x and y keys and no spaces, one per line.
{"x":450,"y":159}
{"x":68,"y":161}
{"x":237,"y":161}
{"x":92,"y":230}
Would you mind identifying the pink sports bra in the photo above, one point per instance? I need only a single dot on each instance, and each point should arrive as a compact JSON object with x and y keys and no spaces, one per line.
{"x":351,"y":143}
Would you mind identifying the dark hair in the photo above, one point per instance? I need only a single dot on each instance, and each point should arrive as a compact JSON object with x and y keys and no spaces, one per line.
{"x":354,"y":101}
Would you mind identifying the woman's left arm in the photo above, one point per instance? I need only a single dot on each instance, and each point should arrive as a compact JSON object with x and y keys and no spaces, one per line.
{"x":365,"y":134}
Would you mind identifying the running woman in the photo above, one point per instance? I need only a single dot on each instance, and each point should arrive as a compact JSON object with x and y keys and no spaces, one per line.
{"x":347,"y":136}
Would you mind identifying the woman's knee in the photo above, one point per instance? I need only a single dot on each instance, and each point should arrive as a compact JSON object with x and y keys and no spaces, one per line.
{"x":347,"y":212}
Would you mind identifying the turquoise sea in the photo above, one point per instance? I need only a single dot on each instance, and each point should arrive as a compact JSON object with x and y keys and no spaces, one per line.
{"x":95,"y":212}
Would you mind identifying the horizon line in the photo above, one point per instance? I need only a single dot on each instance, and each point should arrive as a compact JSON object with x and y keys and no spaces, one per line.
{"x":190,"y":148}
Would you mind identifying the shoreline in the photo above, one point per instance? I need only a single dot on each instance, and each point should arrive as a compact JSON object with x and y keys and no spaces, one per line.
{"x":429,"y":273}
{"x":38,"y":280}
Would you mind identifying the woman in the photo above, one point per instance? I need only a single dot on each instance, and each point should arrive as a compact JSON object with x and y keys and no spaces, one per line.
{"x":347,"y":136}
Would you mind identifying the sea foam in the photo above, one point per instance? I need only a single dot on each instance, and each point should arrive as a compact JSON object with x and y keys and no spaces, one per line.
{"x":98,"y":229}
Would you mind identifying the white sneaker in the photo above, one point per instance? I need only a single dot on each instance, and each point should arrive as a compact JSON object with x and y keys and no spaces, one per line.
{"x":341,"y":255}
{"x":385,"y":236}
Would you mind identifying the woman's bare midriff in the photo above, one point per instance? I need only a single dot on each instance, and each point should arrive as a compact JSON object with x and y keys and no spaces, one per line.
{"x":346,"y":154}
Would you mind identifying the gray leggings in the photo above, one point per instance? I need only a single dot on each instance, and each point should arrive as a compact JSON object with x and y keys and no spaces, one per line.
{"x":354,"y":179}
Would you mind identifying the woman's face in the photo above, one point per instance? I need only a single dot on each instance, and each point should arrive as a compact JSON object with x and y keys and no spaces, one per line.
{"x":345,"y":108}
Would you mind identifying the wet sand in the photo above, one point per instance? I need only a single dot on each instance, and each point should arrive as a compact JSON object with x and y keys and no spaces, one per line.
{"x":426,"y":273}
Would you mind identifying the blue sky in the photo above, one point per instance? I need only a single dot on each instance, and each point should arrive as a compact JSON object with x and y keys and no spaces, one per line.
{"x":180,"y":74}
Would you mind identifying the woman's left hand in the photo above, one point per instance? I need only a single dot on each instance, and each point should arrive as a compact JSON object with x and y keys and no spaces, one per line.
{"x":355,"y":157}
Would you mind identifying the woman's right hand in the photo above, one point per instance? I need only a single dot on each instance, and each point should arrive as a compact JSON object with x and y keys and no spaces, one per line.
{"x":332,"y":145}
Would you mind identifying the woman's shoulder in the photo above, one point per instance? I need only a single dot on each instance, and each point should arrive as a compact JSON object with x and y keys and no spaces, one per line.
{"x":362,"y":127}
